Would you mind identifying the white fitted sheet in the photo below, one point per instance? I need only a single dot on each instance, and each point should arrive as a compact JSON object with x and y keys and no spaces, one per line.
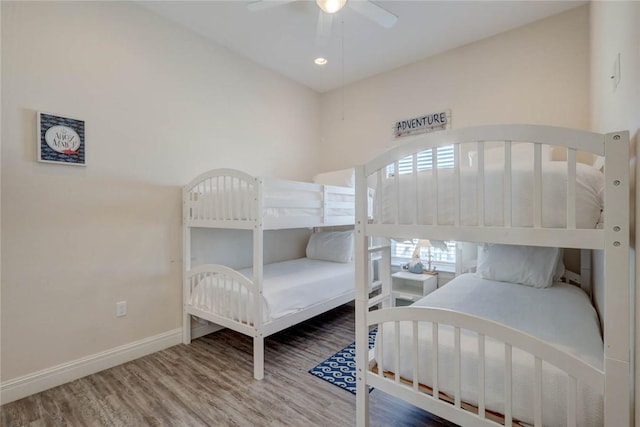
{"x":589,"y":196}
{"x":288,"y":286}
{"x":561,"y":315}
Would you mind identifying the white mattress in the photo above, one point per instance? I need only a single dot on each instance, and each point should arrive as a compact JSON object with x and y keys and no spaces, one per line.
{"x":589,"y":196}
{"x":561,"y":315}
{"x":289,"y":286}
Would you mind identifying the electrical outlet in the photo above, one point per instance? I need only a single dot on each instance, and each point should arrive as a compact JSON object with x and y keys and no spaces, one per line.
{"x":121,"y":308}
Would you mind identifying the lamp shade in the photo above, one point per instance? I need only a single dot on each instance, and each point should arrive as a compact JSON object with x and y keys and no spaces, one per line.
{"x":439,"y":244}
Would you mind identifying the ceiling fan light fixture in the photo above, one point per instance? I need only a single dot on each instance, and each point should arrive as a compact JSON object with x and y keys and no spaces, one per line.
{"x":331,"y":6}
{"x":320,"y":61}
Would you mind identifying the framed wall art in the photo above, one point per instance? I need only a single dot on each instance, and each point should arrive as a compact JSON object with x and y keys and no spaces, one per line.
{"x":61,"y":140}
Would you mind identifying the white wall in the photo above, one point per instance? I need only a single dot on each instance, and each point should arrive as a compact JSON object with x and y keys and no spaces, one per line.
{"x":534,"y":74}
{"x":615,"y":29}
{"x":161,"y":105}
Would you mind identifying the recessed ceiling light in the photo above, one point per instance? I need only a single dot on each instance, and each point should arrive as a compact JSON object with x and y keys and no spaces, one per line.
{"x":320,"y":61}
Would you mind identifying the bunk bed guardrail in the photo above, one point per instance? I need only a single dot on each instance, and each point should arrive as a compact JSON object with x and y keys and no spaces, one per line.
{"x":233,"y":199}
{"x":512,"y":340}
{"x":221,"y":195}
{"x":223,"y":295}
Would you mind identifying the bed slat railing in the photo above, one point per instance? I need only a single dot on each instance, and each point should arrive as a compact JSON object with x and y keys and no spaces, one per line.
{"x":416,"y":358}
{"x":396,"y":184}
{"x":457,"y":184}
{"x":571,"y":188}
{"x":221,"y":195}
{"x":548,"y":135}
{"x":481,"y":376}
{"x":508,"y":211}
{"x":416,"y":186}
{"x":508,"y":372}
{"x":397,"y":351}
{"x":480,"y":202}
{"x":434,"y":365}
{"x":510,"y":338}
{"x":379,"y":353}
{"x":537,"y":392}
{"x":537,"y":185}
{"x":378,"y":206}
{"x":229,"y":198}
{"x":457,"y":367}
{"x":384,"y":298}
{"x":443,"y":184}
{"x":222,"y":291}
{"x":435,"y":198}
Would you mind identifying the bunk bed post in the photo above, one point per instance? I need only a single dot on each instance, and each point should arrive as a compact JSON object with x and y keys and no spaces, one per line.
{"x":362,"y":300}
{"x":186,"y":266}
{"x":258,"y":260}
{"x":617,"y":392}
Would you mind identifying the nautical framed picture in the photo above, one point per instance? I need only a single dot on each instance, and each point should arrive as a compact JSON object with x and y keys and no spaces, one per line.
{"x":61,"y":140}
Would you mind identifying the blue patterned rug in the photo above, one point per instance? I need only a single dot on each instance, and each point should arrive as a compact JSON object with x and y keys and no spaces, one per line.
{"x":340,"y":369}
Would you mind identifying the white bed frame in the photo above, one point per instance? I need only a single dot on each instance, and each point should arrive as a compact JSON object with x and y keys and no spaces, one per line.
{"x":240,"y":203}
{"x":614,"y":239}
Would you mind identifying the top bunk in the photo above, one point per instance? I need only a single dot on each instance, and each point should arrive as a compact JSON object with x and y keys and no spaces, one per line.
{"x":228,"y":198}
{"x":527,"y":184}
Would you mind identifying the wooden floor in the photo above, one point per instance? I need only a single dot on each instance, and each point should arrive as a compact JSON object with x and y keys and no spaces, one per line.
{"x":210,"y":383}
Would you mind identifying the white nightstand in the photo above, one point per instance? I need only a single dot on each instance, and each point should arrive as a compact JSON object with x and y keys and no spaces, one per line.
{"x":410,"y":287}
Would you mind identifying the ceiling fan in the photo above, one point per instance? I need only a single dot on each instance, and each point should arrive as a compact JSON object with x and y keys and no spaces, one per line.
{"x":328,"y":8}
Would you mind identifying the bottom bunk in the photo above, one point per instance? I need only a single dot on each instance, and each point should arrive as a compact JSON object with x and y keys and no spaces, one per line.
{"x":291,"y":292}
{"x":483,"y":352}
{"x":288,"y":288}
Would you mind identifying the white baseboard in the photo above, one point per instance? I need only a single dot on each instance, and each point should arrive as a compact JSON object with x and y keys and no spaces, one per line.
{"x":42,"y":380}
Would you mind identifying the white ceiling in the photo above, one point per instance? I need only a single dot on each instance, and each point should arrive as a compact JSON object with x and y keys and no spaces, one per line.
{"x":283,"y":37}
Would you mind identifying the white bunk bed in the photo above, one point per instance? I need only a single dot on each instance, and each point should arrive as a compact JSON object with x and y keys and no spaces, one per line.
{"x":453,"y":353}
{"x":263,"y":299}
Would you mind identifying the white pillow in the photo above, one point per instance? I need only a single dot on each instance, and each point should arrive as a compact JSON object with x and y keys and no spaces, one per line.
{"x":526,"y":265}
{"x":336,"y":246}
{"x":598,"y":163}
{"x":343,"y":178}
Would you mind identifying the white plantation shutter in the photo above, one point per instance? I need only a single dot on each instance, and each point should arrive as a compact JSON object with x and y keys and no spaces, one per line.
{"x":401,"y":253}
{"x":425,"y":160}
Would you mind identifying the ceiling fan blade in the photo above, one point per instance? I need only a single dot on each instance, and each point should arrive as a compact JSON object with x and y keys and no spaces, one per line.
{"x":323,"y":31}
{"x":255,"y":6}
{"x":374,"y":12}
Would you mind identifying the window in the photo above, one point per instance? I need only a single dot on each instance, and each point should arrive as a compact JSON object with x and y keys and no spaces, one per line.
{"x":402,"y":251}
{"x":425,"y":161}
